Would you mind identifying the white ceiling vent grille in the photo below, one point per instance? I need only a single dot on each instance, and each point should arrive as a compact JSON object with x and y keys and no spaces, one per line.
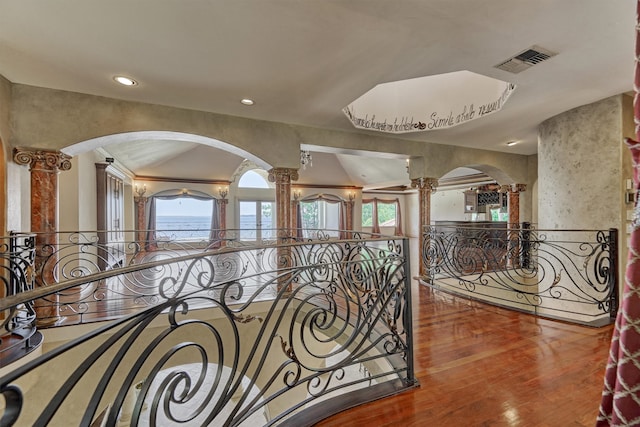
{"x":525,"y":59}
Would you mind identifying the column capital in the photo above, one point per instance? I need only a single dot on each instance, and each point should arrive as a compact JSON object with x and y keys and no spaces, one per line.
{"x":223,"y":201}
{"x":517,"y":188}
{"x":140,"y":199}
{"x":45,"y":160}
{"x":425,"y":183}
{"x":283,"y":175}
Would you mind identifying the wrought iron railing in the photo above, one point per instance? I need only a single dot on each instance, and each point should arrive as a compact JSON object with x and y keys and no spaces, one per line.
{"x":18,"y":334}
{"x":566,"y":274}
{"x":71,"y":255}
{"x":335,"y":330}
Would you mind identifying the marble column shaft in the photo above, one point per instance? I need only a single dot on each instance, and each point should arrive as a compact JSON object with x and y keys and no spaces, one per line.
{"x":514,"y":191}
{"x":141,"y":222}
{"x":349,"y":205}
{"x":425,"y":186}
{"x":294,"y":222}
{"x":514,"y":203}
{"x":223,"y":221}
{"x":44,"y":166}
{"x":282,"y":178}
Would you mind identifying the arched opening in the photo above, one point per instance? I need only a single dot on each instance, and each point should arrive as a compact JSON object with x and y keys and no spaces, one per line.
{"x":152,"y":163}
{"x":255,"y":203}
{"x":471,"y":194}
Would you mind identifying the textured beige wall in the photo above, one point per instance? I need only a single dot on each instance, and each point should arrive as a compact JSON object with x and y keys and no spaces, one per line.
{"x":18,"y":200}
{"x":579,"y":167}
{"x":529,"y":203}
{"x":77,"y":201}
{"x":5,"y":108}
{"x":504,"y":167}
{"x":448,"y":205}
{"x":628,"y":131}
{"x":5,"y":152}
{"x":53,"y":119}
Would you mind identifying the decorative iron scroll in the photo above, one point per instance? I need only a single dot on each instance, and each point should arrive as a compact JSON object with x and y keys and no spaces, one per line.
{"x":227,"y":345}
{"x":18,"y":335}
{"x":80,"y":254}
{"x":569,"y":274}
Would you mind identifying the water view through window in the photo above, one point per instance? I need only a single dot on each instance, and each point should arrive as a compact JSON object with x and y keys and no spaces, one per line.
{"x":184,"y":218}
{"x":257,"y":220}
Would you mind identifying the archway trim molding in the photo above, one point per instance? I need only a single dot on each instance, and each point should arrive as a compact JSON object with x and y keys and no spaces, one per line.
{"x":104,"y":141}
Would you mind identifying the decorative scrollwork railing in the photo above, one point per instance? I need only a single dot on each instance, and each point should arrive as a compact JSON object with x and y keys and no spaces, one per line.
{"x":18,"y":335}
{"x":567,"y":274}
{"x":72,"y":255}
{"x":214,"y":351}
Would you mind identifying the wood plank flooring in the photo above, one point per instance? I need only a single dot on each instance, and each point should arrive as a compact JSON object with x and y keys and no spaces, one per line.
{"x":480,"y":365}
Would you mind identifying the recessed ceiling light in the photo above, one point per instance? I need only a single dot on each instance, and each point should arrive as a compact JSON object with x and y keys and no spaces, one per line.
{"x":511,"y":143}
{"x":125,"y":81}
{"x":247,"y":101}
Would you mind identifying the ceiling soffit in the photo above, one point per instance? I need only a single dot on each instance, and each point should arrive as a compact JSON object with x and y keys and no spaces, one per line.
{"x":428,"y":103}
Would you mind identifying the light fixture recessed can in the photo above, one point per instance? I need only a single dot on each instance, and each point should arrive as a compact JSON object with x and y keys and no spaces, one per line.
{"x":246,"y":101}
{"x":125,"y":81}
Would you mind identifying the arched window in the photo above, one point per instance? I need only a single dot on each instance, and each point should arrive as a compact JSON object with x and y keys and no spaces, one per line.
{"x":254,"y":179}
{"x":255,"y":208}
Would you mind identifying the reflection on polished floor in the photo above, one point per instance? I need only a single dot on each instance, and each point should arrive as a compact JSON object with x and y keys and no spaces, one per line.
{"x":480,"y":365}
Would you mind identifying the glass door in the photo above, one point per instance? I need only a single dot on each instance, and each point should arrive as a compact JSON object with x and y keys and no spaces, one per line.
{"x":257,"y":220}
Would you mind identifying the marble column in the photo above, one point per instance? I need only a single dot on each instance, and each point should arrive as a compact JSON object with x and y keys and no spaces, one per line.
{"x":141,"y":222}
{"x":44,"y":166}
{"x":513,"y":192}
{"x":284,"y":217}
{"x":282,"y":177}
{"x":348,"y":223}
{"x":223,"y":201}
{"x":425,"y":186}
{"x":514,"y":203}
{"x":295,"y":203}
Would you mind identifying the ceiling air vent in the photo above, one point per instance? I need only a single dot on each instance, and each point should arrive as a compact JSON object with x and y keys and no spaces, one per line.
{"x":525,"y":59}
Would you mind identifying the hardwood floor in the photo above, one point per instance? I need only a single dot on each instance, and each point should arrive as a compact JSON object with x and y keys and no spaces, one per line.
{"x":480,"y":365}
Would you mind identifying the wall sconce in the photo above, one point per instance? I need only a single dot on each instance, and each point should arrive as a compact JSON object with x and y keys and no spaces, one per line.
{"x":351,"y":196}
{"x":185,"y":191}
{"x":297,"y":194}
{"x":141,"y":190}
{"x":223,"y":191}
